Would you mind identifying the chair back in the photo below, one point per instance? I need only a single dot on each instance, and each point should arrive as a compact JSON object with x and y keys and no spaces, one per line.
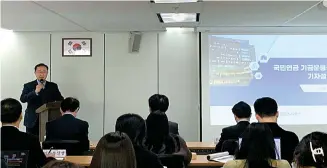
{"x":14,"y":159}
{"x":230,"y":146}
{"x":172,"y":160}
{"x":72,"y":147}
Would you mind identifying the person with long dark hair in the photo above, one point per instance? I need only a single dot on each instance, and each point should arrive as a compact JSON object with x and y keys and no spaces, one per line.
{"x":257,"y":149}
{"x":160,"y":141}
{"x":114,"y":150}
{"x":311,"y":151}
{"x":134,"y":126}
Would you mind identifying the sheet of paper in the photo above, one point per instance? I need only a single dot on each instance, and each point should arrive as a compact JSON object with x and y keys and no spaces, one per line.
{"x":58,"y":153}
{"x":223,"y":159}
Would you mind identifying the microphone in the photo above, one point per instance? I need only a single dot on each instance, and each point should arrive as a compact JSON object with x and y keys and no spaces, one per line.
{"x":42,"y":82}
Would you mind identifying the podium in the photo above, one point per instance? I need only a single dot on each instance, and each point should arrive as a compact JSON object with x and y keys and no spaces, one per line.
{"x":47,"y":112}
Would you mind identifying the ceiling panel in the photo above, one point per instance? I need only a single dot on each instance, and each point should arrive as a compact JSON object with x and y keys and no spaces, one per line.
{"x":251,"y":13}
{"x":194,"y":7}
{"x":108,"y":15}
{"x":316,"y":16}
{"x":27,"y":16}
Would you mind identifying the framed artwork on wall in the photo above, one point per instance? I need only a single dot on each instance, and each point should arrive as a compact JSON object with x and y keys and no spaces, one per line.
{"x":77,"y":47}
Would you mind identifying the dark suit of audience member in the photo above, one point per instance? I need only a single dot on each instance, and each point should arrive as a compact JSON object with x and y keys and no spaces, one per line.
{"x":242,"y":115}
{"x":161,"y":103}
{"x":288,"y":141}
{"x":35,"y":97}
{"x":266,"y":110}
{"x":134,"y":126}
{"x":3,"y":163}
{"x":14,"y":140}
{"x":68,"y":127}
{"x":173,"y":128}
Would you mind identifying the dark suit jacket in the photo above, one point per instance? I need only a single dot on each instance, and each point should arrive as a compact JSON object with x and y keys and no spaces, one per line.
{"x":3,"y":163}
{"x":288,"y":140}
{"x":146,"y":159}
{"x":49,"y":94}
{"x":173,"y":128}
{"x":67,"y":127}
{"x":14,"y":140}
{"x":231,"y":133}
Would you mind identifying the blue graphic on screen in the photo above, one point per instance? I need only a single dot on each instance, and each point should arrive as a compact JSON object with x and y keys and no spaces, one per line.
{"x":289,"y":68}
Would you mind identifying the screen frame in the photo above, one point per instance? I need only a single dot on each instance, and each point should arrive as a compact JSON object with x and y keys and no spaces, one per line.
{"x":300,"y":130}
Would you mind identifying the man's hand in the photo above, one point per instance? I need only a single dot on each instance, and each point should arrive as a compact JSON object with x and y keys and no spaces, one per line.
{"x":38,"y":88}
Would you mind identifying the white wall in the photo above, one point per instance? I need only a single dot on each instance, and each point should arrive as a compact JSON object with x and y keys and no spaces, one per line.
{"x":19,"y":53}
{"x":82,"y":77}
{"x":113,"y":82}
{"x":130,"y":78}
{"x":179,"y":79}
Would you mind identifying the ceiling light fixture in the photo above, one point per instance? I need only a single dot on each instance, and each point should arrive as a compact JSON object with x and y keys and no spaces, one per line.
{"x":178,"y":17}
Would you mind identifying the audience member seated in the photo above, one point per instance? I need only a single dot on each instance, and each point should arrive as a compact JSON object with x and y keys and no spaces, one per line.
{"x":257,"y":149}
{"x":14,"y":140}
{"x":61,"y":164}
{"x":134,"y":126}
{"x":310,"y":153}
{"x":161,"y":103}
{"x":114,"y":150}
{"x":266,"y":110}
{"x":242,"y":115}
{"x":68,"y":127}
{"x":159,"y":140}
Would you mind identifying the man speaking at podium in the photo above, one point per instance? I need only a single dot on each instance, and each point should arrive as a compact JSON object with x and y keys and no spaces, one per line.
{"x":37,"y":93}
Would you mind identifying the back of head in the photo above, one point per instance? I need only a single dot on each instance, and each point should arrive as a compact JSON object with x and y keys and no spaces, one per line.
{"x":60,"y":164}
{"x":242,"y":110}
{"x":114,"y":150}
{"x":310,"y":151}
{"x":11,"y":111}
{"x":158,"y":102}
{"x":134,"y":126}
{"x":158,"y":133}
{"x":265,"y":107}
{"x":257,"y":146}
{"x":70,"y":104}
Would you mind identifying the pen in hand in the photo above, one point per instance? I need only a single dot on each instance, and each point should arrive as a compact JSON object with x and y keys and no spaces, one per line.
{"x":50,"y":150}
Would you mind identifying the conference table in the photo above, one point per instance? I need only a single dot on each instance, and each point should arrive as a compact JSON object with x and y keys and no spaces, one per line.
{"x":190,"y":145}
{"x":201,"y":148}
{"x":199,"y":161}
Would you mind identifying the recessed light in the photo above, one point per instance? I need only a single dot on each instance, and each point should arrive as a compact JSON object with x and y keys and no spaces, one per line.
{"x":178,"y":17}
